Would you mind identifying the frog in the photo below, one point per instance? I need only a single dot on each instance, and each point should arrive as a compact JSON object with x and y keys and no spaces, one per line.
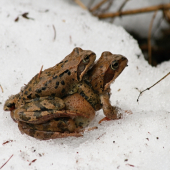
{"x":96,"y":84}
{"x":72,"y":125}
{"x":38,"y":101}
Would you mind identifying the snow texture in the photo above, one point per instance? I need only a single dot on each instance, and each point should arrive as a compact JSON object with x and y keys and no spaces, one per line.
{"x":138,"y":141}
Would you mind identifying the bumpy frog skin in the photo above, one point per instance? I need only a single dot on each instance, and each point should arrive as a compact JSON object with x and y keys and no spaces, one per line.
{"x":103,"y":73}
{"x":80,"y":111}
{"x":41,"y":97}
{"x":110,"y":67}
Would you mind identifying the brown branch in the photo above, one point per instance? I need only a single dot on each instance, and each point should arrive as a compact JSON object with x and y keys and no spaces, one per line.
{"x":123,"y":4}
{"x":40,"y":71}
{"x":54,"y":33}
{"x":1,"y":88}
{"x":97,"y":6}
{"x":152,"y":85}
{"x":6,"y":162}
{"x":109,"y":4}
{"x":78,"y":2}
{"x":149,"y":39}
{"x":135,"y":11}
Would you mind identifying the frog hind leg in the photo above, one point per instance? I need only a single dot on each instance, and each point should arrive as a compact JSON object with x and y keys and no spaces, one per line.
{"x":54,"y":129}
{"x":38,"y":110}
{"x":44,"y":116}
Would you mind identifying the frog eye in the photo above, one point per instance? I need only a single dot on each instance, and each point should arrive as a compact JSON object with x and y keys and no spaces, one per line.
{"x":86,"y":59}
{"x":114,"y":65}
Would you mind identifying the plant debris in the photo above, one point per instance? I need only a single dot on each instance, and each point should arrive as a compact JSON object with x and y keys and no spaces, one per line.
{"x":7,"y":142}
{"x":32,"y":161}
{"x":54,"y":33}
{"x":6,"y":162}
{"x":152,"y":85}
{"x":24,"y":15}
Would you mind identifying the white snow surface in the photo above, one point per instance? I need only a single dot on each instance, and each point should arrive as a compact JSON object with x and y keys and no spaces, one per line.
{"x":138,"y":141}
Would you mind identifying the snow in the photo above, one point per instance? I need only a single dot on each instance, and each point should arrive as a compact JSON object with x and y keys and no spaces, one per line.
{"x":138,"y":141}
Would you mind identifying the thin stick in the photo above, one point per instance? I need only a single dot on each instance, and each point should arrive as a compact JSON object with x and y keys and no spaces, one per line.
{"x":78,"y":2}
{"x":97,"y":6}
{"x":109,"y":4}
{"x":152,"y":86}
{"x":6,"y":162}
{"x":136,"y":11}
{"x":149,"y":38}
{"x":1,"y":88}
{"x":123,"y":4}
{"x":40,"y":71}
{"x":90,"y":3}
{"x":54,"y":33}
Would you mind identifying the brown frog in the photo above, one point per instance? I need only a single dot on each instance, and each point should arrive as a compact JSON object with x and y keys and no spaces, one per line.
{"x":93,"y":94}
{"x":42,"y":96}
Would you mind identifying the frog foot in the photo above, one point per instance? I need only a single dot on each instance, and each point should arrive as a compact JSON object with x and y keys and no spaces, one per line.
{"x":104,"y":119}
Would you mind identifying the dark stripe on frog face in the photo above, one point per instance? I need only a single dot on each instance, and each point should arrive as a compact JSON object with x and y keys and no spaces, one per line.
{"x":30,"y":89}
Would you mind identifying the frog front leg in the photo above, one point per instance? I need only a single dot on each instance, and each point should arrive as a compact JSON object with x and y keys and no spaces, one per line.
{"x":111,"y":112}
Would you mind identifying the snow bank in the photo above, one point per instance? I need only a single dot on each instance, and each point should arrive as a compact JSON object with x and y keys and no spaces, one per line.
{"x":140,"y":140}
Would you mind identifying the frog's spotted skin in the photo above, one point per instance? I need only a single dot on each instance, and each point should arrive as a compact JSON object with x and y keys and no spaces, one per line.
{"x":103,"y":73}
{"x":111,"y":66}
{"x":80,"y":113}
{"x":44,"y":135}
{"x":58,"y":81}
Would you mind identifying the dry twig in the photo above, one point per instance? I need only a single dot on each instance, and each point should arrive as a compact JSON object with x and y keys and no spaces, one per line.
{"x":78,"y":2}
{"x":136,"y":11}
{"x":97,"y":6}
{"x":149,"y":39}
{"x":123,"y":4}
{"x":54,"y":33}
{"x":6,"y":162}
{"x":1,"y":88}
{"x":152,"y":85}
{"x":40,"y":71}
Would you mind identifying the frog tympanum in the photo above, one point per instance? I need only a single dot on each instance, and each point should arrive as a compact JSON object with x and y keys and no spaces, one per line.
{"x":48,"y":116}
